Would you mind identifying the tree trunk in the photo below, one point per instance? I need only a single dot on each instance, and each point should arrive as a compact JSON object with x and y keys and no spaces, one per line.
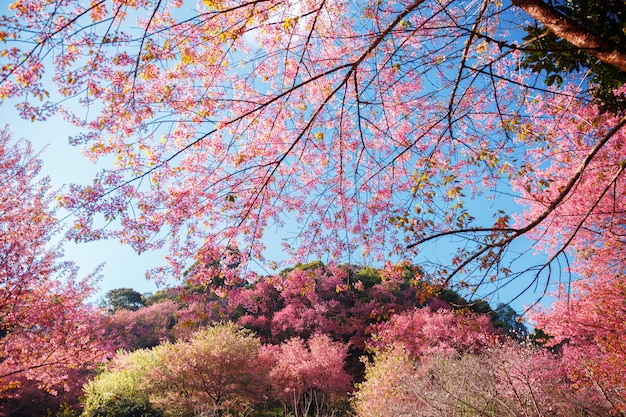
{"x":569,"y":30}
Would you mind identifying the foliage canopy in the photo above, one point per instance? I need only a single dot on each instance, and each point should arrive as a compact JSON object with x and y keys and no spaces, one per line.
{"x":370,"y":125}
{"x":559,"y":58}
{"x":47,"y":329}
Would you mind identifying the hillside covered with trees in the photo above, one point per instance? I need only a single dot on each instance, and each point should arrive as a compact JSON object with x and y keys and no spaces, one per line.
{"x":324,"y":340}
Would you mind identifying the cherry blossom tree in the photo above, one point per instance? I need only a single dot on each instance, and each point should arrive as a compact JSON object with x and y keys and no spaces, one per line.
{"x":308,"y":377}
{"x":587,"y":325}
{"x":216,"y":370}
{"x":32,"y":401}
{"x":47,"y":330}
{"x":370,"y":125}
{"x":145,"y":327}
{"x":423,"y":332}
{"x":504,"y":380}
{"x":314,"y":298}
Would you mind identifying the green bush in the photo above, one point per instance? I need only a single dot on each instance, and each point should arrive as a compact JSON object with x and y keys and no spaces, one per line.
{"x":118,"y":392}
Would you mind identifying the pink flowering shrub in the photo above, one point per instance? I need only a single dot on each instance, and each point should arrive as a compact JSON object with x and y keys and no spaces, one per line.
{"x":588,"y":326}
{"x":505,"y":380}
{"x":308,"y":376}
{"x":423,"y":332}
{"x":145,"y":327}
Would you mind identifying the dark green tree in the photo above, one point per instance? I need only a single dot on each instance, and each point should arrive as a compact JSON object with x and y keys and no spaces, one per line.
{"x":123,"y":298}
{"x":125,"y":407}
{"x":507,"y":319}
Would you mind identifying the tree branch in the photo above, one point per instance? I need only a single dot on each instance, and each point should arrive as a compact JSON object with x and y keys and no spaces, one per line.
{"x":569,"y":30}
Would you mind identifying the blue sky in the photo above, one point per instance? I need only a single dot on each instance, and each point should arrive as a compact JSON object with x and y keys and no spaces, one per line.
{"x":64,"y":164}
